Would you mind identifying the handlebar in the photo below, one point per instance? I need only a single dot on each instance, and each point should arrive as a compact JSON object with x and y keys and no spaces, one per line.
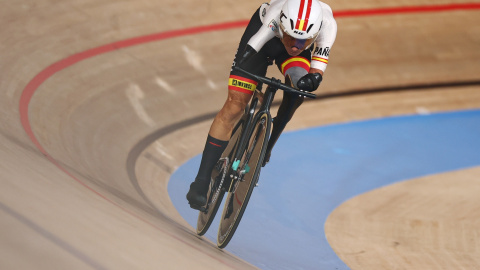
{"x":276,"y":83}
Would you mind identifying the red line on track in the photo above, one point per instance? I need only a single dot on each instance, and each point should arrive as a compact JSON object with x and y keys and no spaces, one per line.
{"x":51,"y":70}
{"x":40,"y":78}
{"x":408,"y":9}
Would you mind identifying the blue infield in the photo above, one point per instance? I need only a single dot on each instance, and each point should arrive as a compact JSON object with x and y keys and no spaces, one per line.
{"x":313,"y":171}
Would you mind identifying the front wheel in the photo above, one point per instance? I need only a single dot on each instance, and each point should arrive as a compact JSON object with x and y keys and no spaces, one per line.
{"x":247,"y":172}
{"x":219,"y":182}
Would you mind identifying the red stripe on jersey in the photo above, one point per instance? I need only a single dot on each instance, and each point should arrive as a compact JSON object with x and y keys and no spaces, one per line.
{"x":296,"y":64}
{"x":320,"y":59}
{"x":300,"y":14}
{"x":243,"y":79}
{"x":238,"y":89}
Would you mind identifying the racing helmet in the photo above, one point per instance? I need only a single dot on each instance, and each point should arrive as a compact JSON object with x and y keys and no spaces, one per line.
{"x":300,"y":22}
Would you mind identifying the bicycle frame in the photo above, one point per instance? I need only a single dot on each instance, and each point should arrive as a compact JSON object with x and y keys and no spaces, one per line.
{"x":252,"y":117}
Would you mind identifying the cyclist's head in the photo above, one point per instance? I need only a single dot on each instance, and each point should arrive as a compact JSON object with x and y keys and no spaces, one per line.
{"x":300,"y":23}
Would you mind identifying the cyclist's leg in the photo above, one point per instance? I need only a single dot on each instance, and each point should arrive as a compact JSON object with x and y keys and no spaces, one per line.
{"x":296,"y":67}
{"x":239,"y":93}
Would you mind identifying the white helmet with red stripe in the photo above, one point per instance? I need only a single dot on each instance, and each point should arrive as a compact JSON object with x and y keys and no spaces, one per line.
{"x":301,"y":19}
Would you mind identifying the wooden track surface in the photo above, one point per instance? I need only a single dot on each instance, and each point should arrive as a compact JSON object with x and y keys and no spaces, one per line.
{"x":114,"y":126}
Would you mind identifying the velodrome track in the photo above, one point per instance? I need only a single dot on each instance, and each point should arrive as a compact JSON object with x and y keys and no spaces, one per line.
{"x":103,"y":100}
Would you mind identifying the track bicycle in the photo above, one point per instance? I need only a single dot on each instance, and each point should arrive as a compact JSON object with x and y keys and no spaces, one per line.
{"x":237,"y":171}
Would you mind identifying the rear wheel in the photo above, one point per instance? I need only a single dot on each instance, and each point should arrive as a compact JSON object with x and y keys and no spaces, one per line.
{"x":247,"y":172}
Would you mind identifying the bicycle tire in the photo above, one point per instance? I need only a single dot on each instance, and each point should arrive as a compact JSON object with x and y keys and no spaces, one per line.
{"x":253,"y":158}
{"x":216,"y":190}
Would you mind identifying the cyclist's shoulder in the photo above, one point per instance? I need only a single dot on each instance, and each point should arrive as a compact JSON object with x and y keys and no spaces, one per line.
{"x":270,"y":17}
{"x":329,"y":25}
{"x":325,"y":6}
{"x":327,"y":12}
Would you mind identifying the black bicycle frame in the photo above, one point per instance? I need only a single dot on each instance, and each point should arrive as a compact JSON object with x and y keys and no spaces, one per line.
{"x":264,"y":108}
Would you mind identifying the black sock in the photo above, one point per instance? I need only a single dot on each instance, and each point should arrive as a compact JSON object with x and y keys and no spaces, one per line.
{"x":211,"y":154}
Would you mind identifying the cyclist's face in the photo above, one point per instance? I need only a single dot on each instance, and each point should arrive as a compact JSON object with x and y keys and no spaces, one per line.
{"x":295,"y":46}
{"x":292,"y":50}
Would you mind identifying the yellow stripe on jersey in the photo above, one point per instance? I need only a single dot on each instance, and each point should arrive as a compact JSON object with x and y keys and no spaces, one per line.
{"x":241,"y":84}
{"x":294,"y":59}
{"x":323,"y":60}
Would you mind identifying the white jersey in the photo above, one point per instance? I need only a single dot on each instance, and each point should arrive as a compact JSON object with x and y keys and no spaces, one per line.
{"x":270,"y":16}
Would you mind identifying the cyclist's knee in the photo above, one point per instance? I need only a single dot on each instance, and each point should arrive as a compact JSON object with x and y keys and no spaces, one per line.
{"x":234,"y":106}
{"x":237,"y":101}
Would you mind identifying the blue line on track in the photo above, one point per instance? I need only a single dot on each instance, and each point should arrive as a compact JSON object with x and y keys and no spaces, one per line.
{"x":313,"y":171}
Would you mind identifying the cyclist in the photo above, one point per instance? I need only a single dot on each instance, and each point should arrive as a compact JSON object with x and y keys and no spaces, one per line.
{"x":298,"y":35}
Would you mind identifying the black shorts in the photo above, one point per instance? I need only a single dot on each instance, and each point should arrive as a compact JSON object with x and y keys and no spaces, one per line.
{"x":272,"y":51}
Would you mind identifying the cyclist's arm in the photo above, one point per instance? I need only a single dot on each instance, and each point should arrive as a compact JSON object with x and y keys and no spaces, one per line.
{"x":324,"y":41}
{"x":269,"y":15}
{"x":263,"y":35}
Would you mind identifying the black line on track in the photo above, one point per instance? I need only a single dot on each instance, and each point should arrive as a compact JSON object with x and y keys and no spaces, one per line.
{"x":137,"y":150}
{"x":377,"y":90}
